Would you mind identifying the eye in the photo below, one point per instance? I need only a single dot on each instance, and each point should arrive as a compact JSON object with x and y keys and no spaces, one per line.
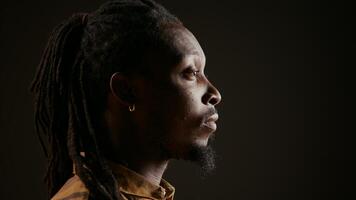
{"x":190,"y":73}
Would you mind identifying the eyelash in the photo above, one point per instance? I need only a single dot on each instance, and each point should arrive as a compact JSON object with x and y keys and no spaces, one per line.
{"x":196,"y":73}
{"x":191,"y":71}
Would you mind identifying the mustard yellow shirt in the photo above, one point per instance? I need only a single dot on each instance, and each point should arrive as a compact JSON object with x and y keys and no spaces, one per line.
{"x":132,"y":186}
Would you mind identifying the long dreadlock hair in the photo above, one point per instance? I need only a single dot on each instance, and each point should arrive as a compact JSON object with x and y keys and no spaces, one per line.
{"x":71,"y":85}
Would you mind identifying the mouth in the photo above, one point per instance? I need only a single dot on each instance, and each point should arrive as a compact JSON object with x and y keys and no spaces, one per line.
{"x":210,"y":123}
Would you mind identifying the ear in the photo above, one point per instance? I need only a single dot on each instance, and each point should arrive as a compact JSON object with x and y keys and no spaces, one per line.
{"x":121,"y":88}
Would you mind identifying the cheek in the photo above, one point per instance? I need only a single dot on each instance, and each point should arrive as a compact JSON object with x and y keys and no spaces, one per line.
{"x":184,"y":117}
{"x":172,"y":111}
{"x":181,"y":104}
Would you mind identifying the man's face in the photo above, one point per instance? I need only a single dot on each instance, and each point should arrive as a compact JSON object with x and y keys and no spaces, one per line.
{"x":175,"y":107}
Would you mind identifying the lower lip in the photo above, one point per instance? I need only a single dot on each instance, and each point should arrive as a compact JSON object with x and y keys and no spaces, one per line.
{"x":210,"y":125}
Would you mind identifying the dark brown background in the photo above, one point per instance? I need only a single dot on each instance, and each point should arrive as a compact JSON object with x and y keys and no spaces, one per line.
{"x":285,"y":126}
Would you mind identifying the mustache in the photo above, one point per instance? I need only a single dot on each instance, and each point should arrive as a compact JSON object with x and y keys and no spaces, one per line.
{"x":211,"y":111}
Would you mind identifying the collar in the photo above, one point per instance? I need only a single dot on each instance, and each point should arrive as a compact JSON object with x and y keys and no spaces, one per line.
{"x":132,"y":183}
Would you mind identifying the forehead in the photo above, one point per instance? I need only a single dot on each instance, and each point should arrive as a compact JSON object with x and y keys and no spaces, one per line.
{"x":177,"y":47}
{"x":182,"y":42}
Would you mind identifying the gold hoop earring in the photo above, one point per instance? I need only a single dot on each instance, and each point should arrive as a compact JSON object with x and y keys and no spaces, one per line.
{"x":132,"y":107}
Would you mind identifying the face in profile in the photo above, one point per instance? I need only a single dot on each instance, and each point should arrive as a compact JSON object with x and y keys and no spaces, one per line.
{"x":175,"y":101}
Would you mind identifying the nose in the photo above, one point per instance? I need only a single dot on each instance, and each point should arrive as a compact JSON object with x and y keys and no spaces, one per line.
{"x":212,"y":96}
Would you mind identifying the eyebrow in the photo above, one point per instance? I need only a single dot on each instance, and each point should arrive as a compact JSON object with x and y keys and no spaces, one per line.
{"x":181,"y":55}
{"x":195,"y":52}
{"x":191,"y":52}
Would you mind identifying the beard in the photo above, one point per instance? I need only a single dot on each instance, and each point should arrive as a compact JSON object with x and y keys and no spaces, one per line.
{"x":204,"y":157}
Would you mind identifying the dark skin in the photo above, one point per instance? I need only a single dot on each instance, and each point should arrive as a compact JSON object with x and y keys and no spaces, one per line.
{"x":174,"y":107}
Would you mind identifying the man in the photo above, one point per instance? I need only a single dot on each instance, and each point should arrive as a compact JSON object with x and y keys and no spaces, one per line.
{"x":119,"y":92}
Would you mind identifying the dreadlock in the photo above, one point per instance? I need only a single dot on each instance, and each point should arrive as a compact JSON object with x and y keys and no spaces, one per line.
{"x":71,"y":86}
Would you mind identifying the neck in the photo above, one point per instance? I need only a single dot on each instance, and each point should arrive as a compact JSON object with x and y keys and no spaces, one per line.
{"x":139,"y":157}
{"x":150,"y":167}
{"x":151,"y":170}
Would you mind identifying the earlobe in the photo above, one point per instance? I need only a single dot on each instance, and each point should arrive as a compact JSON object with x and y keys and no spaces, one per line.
{"x":121,"y":89}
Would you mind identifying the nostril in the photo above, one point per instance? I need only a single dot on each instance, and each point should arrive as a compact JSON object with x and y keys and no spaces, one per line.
{"x":212,"y":96}
{"x":215,"y":97}
{"x":213,"y":101}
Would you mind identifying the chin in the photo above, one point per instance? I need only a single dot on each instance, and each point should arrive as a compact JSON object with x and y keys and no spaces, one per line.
{"x":201,"y":142}
{"x":204,"y":156}
{"x":198,"y":151}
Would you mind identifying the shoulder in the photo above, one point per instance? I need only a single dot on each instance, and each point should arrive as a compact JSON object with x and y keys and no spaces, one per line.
{"x":73,"y":189}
